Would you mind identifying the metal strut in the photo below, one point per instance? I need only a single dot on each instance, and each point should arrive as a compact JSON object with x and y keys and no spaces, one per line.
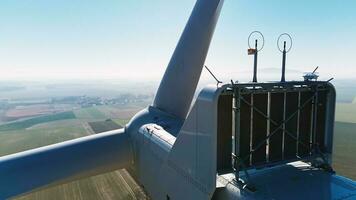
{"x":237,"y":164}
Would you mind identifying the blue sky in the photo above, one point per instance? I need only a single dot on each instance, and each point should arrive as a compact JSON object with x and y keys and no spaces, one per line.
{"x":134,"y":39}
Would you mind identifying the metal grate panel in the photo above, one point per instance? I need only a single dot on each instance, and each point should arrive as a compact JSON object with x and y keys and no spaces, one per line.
{"x":290,"y":144}
{"x":274,"y":123}
{"x":259,"y":128}
{"x":224,"y":137}
{"x":305,"y":123}
{"x":245,"y":128}
{"x":277,"y":117}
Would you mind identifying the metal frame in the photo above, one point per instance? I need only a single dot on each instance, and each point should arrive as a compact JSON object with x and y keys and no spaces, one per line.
{"x":239,"y":163}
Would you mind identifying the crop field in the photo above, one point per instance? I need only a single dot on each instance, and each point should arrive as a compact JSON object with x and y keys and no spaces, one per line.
{"x":121,"y":122}
{"x":110,"y":186}
{"x":102,"y":126}
{"x":36,"y":120}
{"x":346,"y":112}
{"x":40,"y":135}
{"x":344,"y":158}
{"x":119,"y":112}
{"x":39,"y":131}
{"x":90,"y":114}
{"x":32,"y":110}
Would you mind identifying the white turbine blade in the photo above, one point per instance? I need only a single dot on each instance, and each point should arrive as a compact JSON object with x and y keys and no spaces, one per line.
{"x":63,"y":162}
{"x":182,"y":75}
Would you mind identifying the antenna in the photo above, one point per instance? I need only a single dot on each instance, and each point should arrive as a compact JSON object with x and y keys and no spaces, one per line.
{"x":255,"y":64}
{"x":317,"y":67}
{"x":330,"y":79}
{"x":211,"y":73}
{"x":284,"y":53}
{"x":254,"y":51}
{"x":283,"y":79}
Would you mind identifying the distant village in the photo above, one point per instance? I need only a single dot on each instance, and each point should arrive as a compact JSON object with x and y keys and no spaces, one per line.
{"x":17,"y":109}
{"x":82,"y":101}
{"x":88,"y":101}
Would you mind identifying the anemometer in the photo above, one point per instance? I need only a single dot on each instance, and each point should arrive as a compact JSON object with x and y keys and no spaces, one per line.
{"x":254,"y":51}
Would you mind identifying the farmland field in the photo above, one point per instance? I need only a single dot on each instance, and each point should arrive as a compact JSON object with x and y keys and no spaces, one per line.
{"x":344,"y":158}
{"x":114,"y":112}
{"x":22,"y":111}
{"x":114,"y":185}
{"x":346,"y":112}
{"x":45,"y":130}
{"x":102,"y":126}
{"x":24,"y":139}
{"x":91,"y":113}
{"x":121,"y":122}
{"x":36,"y":120}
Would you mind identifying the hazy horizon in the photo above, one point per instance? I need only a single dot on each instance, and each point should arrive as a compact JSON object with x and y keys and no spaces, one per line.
{"x":135,"y":39}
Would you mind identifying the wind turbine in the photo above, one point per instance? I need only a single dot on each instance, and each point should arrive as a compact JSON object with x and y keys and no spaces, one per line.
{"x":174,"y":148}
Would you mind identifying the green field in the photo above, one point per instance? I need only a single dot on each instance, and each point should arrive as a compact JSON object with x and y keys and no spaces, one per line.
{"x":54,"y":132}
{"x":114,"y":185}
{"x":346,"y":112}
{"x":36,"y":120}
{"x":91,"y":113}
{"x":46,"y":130}
{"x":121,"y":122}
{"x":102,"y":126}
{"x":118,"y":113}
{"x":344,"y":158}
